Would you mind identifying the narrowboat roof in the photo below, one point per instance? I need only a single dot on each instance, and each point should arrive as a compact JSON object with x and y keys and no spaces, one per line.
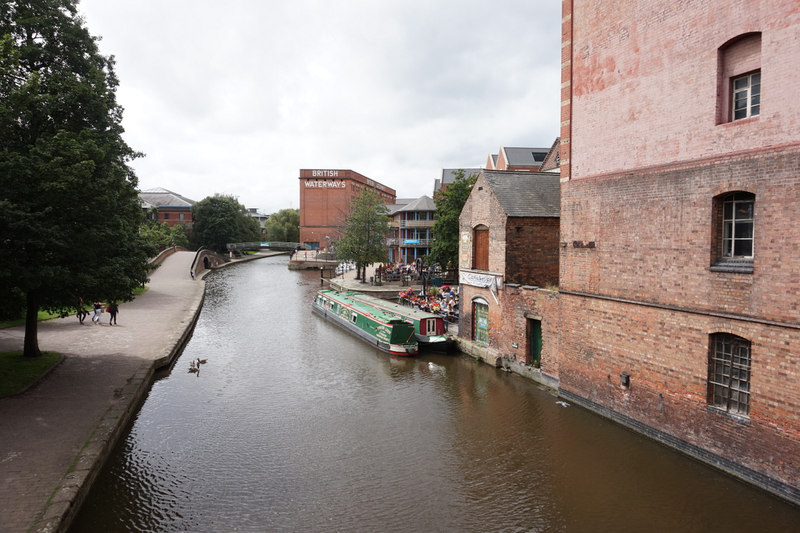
{"x":361,"y":307}
{"x":401,"y":309}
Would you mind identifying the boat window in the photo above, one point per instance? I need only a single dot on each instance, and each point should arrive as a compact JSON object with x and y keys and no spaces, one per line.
{"x":430,"y":326}
{"x":353,"y":317}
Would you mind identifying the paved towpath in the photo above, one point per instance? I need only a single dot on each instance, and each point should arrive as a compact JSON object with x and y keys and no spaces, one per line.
{"x":53,"y":436}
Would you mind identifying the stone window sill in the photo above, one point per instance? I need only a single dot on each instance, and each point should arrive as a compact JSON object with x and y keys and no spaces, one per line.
{"x":736,"y":266}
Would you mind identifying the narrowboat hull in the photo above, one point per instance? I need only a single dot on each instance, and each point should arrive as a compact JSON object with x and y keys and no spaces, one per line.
{"x":386,"y":333}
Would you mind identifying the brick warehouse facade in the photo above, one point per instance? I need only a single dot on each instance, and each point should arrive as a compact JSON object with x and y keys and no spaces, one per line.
{"x":509,"y":241}
{"x":325,"y":197}
{"x":679,"y":275}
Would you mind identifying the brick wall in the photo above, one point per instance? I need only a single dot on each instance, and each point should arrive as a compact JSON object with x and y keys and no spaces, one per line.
{"x":646,"y":148}
{"x":325,"y":197}
{"x":649,"y":235}
{"x":171,"y":216}
{"x":532,"y":251}
{"x":482,"y":208}
{"x":666,"y":354}
{"x":647,"y":70}
{"x":509,"y":336}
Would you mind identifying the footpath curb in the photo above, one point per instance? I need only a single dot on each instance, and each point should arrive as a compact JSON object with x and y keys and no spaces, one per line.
{"x":67,"y":498}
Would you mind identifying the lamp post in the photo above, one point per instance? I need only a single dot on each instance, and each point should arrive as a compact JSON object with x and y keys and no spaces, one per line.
{"x":424,"y":275}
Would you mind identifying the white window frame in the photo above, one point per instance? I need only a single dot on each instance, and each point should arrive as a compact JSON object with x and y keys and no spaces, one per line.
{"x":730,"y":220}
{"x":746,"y":91}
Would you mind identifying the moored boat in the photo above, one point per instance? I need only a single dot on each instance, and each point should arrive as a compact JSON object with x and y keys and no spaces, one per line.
{"x":386,"y":331}
{"x":429,"y":328}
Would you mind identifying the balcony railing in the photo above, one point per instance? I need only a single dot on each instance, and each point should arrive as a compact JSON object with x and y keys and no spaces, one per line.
{"x":417,"y":223}
{"x":415,"y":243}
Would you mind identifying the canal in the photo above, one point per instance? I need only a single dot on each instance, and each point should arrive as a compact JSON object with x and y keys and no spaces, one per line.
{"x":294,"y":425}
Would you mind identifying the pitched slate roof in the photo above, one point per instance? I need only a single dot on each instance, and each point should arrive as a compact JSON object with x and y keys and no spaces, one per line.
{"x":423,"y":203}
{"x":164,"y":198}
{"x":525,"y":193}
{"x":398,"y":204}
{"x":449,"y":176}
{"x":524,"y":157}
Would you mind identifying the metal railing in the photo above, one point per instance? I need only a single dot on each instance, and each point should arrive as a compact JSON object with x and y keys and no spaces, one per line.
{"x":274,"y":245}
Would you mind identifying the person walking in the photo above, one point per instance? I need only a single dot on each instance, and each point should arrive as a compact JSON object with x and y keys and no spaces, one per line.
{"x":98,"y":309}
{"x":82,"y":312}
{"x":113,"y":309}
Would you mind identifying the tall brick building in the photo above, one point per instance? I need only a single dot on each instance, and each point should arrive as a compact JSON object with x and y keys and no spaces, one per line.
{"x":325,"y":197}
{"x":680,"y":271}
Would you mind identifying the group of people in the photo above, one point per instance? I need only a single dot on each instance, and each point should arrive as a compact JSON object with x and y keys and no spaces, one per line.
{"x":97,"y":312}
{"x":442,"y":300}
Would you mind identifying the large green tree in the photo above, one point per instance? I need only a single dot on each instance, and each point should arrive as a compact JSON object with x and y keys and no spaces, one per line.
{"x":161,"y":235}
{"x":365,"y":232}
{"x":221,"y":219}
{"x":69,"y":212}
{"x":449,"y":203}
{"x":284,"y":226}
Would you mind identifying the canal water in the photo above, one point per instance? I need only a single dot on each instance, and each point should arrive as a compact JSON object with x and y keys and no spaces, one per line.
{"x":294,"y":425}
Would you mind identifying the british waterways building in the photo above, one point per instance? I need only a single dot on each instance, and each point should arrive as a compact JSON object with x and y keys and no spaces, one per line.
{"x":325,"y":197}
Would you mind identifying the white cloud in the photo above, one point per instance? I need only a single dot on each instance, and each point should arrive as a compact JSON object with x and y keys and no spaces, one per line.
{"x":236,"y":97}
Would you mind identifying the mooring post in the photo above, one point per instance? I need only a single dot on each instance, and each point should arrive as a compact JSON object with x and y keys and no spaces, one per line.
{"x":321,"y":270}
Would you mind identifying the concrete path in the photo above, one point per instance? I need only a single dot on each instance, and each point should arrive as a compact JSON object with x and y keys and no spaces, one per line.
{"x":54,"y":436}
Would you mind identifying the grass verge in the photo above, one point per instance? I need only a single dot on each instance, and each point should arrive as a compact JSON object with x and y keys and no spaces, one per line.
{"x":18,"y":372}
{"x":43,"y":315}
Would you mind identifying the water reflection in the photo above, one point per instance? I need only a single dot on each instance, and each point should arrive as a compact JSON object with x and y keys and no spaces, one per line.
{"x":294,"y":425}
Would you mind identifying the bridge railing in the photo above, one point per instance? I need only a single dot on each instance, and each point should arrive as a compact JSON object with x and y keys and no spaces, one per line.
{"x":273,"y":245}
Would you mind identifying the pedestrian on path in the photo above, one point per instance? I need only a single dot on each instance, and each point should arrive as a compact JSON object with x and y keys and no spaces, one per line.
{"x":98,"y":310}
{"x":82,"y":312}
{"x":113,"y":309}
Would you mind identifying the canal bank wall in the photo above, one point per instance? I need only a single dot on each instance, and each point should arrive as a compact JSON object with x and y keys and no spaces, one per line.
{"x":57,"y":435}
{"x":509,"y":363}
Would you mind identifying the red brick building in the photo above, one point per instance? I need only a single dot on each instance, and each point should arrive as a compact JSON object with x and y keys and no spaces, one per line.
{"x":325,"y":197}
{"x":170,"y":208}
{"x":508,"y":266}
{"x":680,"y":272}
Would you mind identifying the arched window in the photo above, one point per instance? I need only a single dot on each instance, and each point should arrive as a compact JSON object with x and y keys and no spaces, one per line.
{"x":480,"y":247}
{"x":739,"y":78}
{"x":729,"y":373}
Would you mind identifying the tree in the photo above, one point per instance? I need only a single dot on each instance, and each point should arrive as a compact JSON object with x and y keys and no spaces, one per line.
{"x":449,"y":203}
{"x":284,"y":226}
{"x":221,"y":219}
{"x":365,"y":232}
{"x":70,"y":212}
{"x":161,"y":235}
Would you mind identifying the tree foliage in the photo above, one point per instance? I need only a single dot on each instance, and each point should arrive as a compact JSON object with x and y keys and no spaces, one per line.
{"x":161,"y":235}
{"x":70,"y":212}
{"x":221,"y":219}
{"x":449,"y":204}
{"x":284,"y":226}
{"x":365,"y":232}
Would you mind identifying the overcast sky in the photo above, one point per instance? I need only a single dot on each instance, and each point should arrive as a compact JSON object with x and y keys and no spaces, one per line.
{"x":236,"y":97}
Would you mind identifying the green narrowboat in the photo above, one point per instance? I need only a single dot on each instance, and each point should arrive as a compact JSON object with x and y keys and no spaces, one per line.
{"x":386,"y":331}
{"x":429,"y":328}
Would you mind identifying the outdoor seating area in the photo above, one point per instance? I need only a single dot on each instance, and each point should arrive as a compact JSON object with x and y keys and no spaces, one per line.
{"x":440,"y":300}
{"x":413,"y":273}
